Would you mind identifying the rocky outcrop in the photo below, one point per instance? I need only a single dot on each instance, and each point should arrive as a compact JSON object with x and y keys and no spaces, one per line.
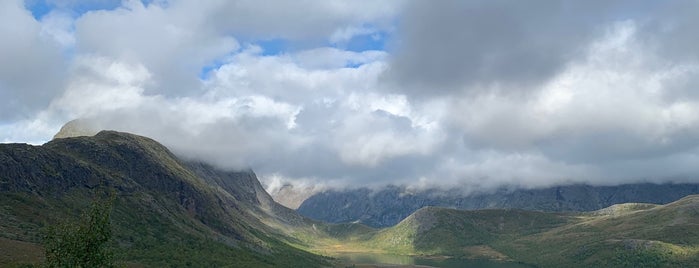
{"x":292,"y":196}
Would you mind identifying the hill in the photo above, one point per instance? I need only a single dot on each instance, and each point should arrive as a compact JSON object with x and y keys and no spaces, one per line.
{"x":167,"y":211}
{"x":628,"y":235}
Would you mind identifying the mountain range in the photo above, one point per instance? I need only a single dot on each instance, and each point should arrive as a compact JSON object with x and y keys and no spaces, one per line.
{"x":388,"y":206}
{"x":177,"y":213}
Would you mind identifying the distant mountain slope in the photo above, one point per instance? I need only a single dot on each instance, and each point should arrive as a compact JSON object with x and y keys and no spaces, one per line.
{"x":628,"y":235}
{"x":654,"y":236}
{"x":167,"y":211}
{"x":388,"y":206}
{"x":442,"y":231}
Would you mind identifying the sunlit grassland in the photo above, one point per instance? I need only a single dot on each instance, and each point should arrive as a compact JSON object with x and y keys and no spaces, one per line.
{"x":626,"y":235}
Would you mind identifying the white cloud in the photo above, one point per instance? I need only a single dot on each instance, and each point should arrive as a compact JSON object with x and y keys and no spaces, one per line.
{"x":286,"y":77}
{"x":102,"y":85}
{"x":343,"y":35}
{"x":617,"y":88}
{"x":30,"y":66}
{"x":611,"y":106}
{"x":172,"y":42}
{"x":314,"y":21}
{"x":58,"y":27}
{"x":601,"y":120}
{"x":371,"y":138}
{"x":489,"y":169}
{"x":31,"y":131}
{"x":329,"y":58}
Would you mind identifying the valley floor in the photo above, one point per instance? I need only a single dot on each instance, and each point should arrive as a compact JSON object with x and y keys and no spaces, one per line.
{"x":625,"y":235}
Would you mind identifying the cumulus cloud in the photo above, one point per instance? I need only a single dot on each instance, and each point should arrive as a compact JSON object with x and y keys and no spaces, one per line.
{"x":607,"y":105}
{"x":488,"y":45}
{"x":314,"y":21}
{"x":58,"y":26}
{"x":476,"y":94}
{"x":30,"y":64}
{"x":174,"y":43}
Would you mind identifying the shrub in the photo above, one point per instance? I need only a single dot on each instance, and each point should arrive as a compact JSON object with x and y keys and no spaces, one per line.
{"x":83,"y":243}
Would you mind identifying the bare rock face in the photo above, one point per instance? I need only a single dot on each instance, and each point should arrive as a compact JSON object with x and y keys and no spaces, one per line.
{"x":292,"y":196}
{"x":77,"y":128}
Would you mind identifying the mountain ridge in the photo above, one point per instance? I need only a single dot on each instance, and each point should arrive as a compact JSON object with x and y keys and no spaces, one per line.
{"x":164,"y":205}
{"x":387,"y":206}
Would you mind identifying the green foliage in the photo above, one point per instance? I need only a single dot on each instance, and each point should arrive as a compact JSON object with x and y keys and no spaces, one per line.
{"x":83,"y":243}
{"x":172,"y":213}
{"x":169,"y":213}
{"x":644,"y":258}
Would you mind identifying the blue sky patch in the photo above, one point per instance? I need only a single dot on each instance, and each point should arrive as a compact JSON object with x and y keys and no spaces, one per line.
{"x":359,"y":43}
{"x":205,"y":71}
{"x":39,"y":8}
{"x":274,"y":46}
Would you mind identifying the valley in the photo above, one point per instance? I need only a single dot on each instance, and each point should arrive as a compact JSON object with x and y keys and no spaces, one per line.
{"x":345,"y":134}
{"x":170,"y":212}
{"x":625,"y":235}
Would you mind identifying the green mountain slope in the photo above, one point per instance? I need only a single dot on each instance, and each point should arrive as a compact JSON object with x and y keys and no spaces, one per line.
{"x":441,"y":231}
{"x":650,"y":236}
{"x":167,"y":211}
{"x":626,"y":235}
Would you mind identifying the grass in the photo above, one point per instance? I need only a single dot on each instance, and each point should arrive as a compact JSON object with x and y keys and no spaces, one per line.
{"x":167,"y":214}
{"x":164,"y":214}
{"x":15,"y":253}
{"x":143,"y":236}
{"x":629,"y":235}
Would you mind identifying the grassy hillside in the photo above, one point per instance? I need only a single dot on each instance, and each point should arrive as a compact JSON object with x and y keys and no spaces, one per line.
{"x":167,"y":212}
{"x":627,"y":235}
{"x":652,"y":236}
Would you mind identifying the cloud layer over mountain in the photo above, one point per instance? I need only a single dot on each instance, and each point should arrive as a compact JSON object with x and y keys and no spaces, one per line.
{"x":477,"y":94}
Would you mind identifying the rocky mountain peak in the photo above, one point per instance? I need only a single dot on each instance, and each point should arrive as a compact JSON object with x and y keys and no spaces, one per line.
{"x":77,"y":128}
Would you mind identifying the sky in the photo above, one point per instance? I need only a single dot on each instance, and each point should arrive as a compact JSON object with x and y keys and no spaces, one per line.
{"x":470,"y":94}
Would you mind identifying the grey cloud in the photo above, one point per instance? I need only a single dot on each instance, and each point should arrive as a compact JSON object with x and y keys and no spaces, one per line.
{"x":609,"y":95}
{"x":304,"y":21}
{"x":31,"y":66}
{"x":452,"y":45}
{"x":672,"y":29}
{"x":610,"y":84}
